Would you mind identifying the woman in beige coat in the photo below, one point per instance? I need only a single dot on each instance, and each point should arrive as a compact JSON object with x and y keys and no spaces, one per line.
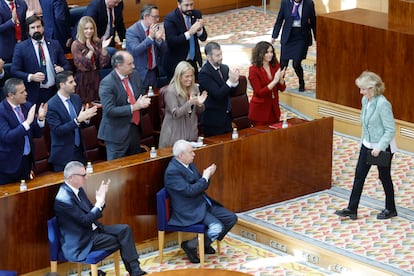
{"x":183,"y":104}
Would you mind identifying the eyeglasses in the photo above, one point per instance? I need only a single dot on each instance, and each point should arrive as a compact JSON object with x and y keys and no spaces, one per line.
{"x":155,"y":16}
{"x":78,"y":174}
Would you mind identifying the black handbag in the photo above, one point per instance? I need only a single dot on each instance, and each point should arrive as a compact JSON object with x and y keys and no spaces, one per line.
{"x":383,"y":159}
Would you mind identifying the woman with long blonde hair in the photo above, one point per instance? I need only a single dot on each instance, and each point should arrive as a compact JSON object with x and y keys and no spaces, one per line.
{"x":89,"y":55}
{"x":183,"y":104}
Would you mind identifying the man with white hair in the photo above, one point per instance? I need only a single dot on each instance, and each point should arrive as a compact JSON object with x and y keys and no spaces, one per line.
{"x":190,"y":204}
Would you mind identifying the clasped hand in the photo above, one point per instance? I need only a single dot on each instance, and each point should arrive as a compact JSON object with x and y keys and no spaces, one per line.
{"x":209,"y":171}
{"x":143,"y":101}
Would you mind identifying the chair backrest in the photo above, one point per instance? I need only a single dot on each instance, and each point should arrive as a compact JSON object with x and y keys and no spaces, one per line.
{"x":41,"y":156}
{"x":240,"y":105}
{"x":161,"y":102}
{"x":53,"y":235}
{"x":147,"y":135}
{"x":163,"y":209}
{"x":93,"y":149}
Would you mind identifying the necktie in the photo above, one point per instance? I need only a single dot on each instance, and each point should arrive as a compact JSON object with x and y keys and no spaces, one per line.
{"x":135,"y":113}
{"x":73,"y":116}
{"x":42,"y":60}
{"x":149,"y":53}
{"x":221,"y":74}
{"x":20,"y":116}
{"x":17,"y":28}
{"x":295,"y":12}
{"x":191,"y":52}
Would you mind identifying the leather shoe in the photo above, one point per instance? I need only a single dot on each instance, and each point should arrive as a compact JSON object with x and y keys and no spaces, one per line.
{"x":347,"y":213}
{"x":209,"y":250}
{"x":386,"y":214}
{"x":191,"y":253}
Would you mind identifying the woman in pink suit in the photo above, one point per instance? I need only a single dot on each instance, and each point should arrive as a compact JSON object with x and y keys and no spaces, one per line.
{"x":89,"y":55}
{"x":266,"y":78}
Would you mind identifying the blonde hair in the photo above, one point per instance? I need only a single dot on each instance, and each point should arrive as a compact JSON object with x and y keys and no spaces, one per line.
{"x":175,"y":82}
{"x":370,"y":80}
{"x":81,"y":27}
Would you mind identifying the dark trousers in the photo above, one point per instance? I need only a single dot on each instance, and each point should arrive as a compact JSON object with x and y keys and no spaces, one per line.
{"x":78,"y":155}
{"x":297,"y":65}
{"x":118,"y":236}
{"x":361,"y":173}
{"x":129,"y":147}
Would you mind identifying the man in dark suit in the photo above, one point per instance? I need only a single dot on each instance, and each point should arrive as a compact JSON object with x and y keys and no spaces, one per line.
{"x":298,"y":19}
{"x":12,"y":26}
{"x":56,"y":17}
{"x":122,"y":97}
{"x":220,"y":82}
{"x":36,"y":60}
{"x":190,"y":204}
{"x":184,"y":26}
{"x":108,"y":18}
{"x":80,"y":230}
{"x":145,"y":38}
{"x":65,"y":117}
{"x":18,"y":125}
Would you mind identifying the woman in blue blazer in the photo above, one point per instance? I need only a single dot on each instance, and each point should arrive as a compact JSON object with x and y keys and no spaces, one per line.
{"x":378,"y":132}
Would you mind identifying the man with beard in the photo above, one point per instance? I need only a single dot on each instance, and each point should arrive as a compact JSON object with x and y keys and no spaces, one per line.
{"x":220,"y":82}
{"x":183,"y":28}
{"x":65,"y":118}
{"x":36,"y":60}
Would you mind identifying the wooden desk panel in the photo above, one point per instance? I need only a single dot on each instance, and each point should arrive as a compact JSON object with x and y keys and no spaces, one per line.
{"x":263,"y":166}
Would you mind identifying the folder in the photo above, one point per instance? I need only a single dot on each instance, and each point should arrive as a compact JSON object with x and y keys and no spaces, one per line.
{"x":383,"y":159}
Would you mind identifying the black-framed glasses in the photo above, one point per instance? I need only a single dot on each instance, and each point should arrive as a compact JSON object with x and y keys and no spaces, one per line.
{"x":155,"y":16}
{"x":78,"y":174}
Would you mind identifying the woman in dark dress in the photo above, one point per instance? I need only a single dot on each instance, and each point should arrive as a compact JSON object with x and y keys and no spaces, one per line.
{"x":89,"y":55}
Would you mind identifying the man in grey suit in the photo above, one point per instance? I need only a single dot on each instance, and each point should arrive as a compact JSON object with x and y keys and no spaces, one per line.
{"x":144,"y":40}
{"x":190,"y":204}
{"x":122,"y":97}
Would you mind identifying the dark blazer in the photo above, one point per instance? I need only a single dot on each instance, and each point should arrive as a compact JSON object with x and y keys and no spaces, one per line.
{"x":98,"y":11}
{"x":56,"y":19}
{"x":62,"y":129}
{"x":7,"y":28}
{"x":219,"y":93}
{"x":137,"y":43}
{"x":116,"y":110}
{"x":178,"y":45}
{"x":12,"y":134}
{"x":25,"y":62}
{"x":308,"y":21}
{"x":187,"y":191}
{"x":75,"y":223}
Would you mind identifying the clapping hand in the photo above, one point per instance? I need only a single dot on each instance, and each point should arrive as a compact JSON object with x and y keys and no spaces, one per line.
{"x":100,"y":194}
{"x":209,"y":171}
{"x":41,"y":114}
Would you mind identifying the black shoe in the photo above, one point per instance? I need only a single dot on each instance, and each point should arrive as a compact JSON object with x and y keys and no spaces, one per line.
{"x":301,"y":89}
{"x":143,"y":273}
{"x":209,"y":250}
{"x":191,"y":253}
{"x":346,"y":213}
{"x":386,"y":214}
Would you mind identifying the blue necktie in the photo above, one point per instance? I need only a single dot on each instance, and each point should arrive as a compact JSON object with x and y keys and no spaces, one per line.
{"x":20,"y":116}
{"x":191,"y":52}
{"x":73,"y":116}
{"x":204,"y":195}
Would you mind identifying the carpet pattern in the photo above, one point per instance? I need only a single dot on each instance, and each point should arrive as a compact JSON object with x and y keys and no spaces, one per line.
{"x":237,"y":254}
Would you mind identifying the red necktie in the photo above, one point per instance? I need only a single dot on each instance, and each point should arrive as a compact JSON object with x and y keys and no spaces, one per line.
{"x":149,"y":54}
{"x":17,"y":29}
{"x":135,"y":113}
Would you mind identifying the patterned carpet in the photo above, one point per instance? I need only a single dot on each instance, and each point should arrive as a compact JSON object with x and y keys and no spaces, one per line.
{"x":385,"y":244}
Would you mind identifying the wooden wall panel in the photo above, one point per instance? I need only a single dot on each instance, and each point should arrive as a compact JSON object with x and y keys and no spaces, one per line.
{"x":352,"y":41}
